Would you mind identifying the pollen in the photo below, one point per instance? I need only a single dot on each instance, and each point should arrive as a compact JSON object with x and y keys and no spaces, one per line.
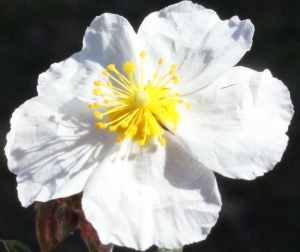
{"x":141,"y":110}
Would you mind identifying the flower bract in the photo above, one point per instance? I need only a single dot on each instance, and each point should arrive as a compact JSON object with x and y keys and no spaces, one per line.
{"x":140,"y":121}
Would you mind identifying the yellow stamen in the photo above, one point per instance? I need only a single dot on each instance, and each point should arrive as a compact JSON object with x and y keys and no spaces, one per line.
{"x":97,"y":91}
{"x":111,"y":67}
{"x":143,"y":54}
{"x":140,"y":110}
{"x":129,"y":67}
{"x":97,"y":83}
{"x":98,"y":115}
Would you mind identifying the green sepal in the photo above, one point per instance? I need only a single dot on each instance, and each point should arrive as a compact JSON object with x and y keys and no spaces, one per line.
{"x":15,"y":246}
{"x":56,"y":220}
{"x":92,"y":245}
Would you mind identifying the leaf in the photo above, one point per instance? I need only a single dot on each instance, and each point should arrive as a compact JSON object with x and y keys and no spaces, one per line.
{"x":15,"y":246}
{"x":170,"y":250}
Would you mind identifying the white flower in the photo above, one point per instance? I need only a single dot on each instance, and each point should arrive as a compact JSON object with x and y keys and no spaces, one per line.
{"x":156,"y":185}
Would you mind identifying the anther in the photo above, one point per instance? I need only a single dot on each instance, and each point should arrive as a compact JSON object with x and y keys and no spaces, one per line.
{"x":98,"y":115}
{"x":97,"y":83}
{"x":105,"y":73}
{"x":142,"y":142}
{"x":97,"y":91}
{"x":129,"y":67}
{"x":143,"y":54}
{"x":103,"y":126}
{"x":105,"y":101}
{"x":175,"y":79}
{"x":109,"y":84}
{"x":96,"y":104}
{"x":111,"y":67}
{"x":162,"y":142}
{"x":161,"y":60}
{"x":120,"y":138}
{"x":188,"y":105}
{"x":98,"y":125}
{"x":133,"y":130}
{"x":112,"y":128}
{"x":172,"y":70}
{"x":124,"y":124}
{"x":91,"y":106}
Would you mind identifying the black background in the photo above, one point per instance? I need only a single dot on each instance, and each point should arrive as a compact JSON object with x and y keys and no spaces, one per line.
{"x":259,"y":215}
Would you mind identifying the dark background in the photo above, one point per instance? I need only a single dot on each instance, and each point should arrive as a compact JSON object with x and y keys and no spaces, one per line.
{"x":260,"y":215}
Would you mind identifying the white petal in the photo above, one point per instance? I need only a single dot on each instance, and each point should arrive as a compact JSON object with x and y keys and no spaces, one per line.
{"x":109,"y":40}
{"x":151,"y":195}
{"x":53,"y":147}
{"x":203,"y":46}
{"x":237,"y":125}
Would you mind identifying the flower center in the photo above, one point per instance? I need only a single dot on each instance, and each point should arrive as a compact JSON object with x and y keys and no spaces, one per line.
{"x":140,"y":111}
{"x":141,"y":98}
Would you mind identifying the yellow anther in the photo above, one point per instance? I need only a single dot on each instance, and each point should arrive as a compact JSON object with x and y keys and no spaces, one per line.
{"x":148,"y":132}
{"x":133,"y":130}
{"x":105,"y":73}
{"x":111,"y":67}
{"x":173,"y":66}
{"x":103,"y":126}
{"x":142,"y":142}
{"x":121,"y":138}
{"x":155,"y":76}
{"x":96,"y":104}
{"x":172,"y":70}
{"x":124,"y":124}
{"x":188,"y":105}
{"x":180,"y":101}
{"x":129,"y":67}
{"x":175,"y":79}
{"x":97,"y":83}
{"x":109,"y":84}
{"x":105,"y":101}
{"x":98,"y":115}
{"x":161,"y":60}
{"x":97,"y":91}
{"x":91,"y":106}
{"x":162,"y":142}
{"x":143,"y":54}
{"x":176,"y":94}
{"x":97,"y":125}
{"x":112,"y":128}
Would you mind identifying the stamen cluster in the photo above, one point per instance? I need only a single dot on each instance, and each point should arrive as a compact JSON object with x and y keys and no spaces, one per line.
{"x":138,"y":110}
